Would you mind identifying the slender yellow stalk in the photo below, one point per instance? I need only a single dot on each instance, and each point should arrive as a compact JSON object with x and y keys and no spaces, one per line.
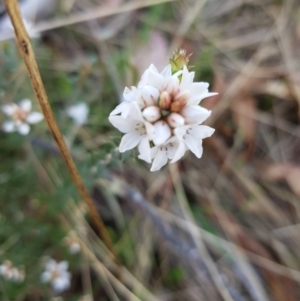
{"x":27,"y":53}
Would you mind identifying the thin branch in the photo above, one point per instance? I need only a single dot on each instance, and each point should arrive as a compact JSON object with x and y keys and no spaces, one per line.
{"x":27,"y":53}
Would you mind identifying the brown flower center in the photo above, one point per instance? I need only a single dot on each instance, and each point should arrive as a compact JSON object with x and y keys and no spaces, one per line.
{"x":19,"y":115}
{"x":54,"y":274}
{"x":169,"y":102}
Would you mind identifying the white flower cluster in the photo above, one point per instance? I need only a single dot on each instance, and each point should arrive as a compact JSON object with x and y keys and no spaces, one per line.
{"x":162,"y":116}
{"x":10,"y":272}
{"x":21,"y":116}
{"x":57,"y":274}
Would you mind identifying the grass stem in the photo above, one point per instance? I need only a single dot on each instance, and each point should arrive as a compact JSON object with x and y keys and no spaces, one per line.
{"x":24,"y":45}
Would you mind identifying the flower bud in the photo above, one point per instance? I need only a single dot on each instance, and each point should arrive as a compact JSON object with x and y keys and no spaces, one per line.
{"x":180,"y":101}
{"x":151,"y":113}
{"x":179,"y":60}
{"x":195,"y":114}
{"x":164,"y":100}
{"x":175,"y":120}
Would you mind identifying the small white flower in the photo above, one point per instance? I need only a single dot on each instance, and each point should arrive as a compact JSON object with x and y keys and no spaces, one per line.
{"x":21,"y":116}
{"x":192,"y":135}
{"x":74,"y":247}
{"x":10,"y":272}
{"x":162,"y":115}
{"x":173,"y":149}
{"x":79,"y":113}
{"x":138,"y":132}
{"x":57,"y":274}
{"x":72,"y":242}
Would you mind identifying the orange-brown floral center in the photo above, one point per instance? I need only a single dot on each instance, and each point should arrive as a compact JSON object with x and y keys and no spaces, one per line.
{"x":19,"y":115}
{"x":173,"y":102}
{"x":54,"y":274}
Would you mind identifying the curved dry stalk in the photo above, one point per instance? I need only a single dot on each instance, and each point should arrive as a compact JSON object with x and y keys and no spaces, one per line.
{"x":27,"y":53}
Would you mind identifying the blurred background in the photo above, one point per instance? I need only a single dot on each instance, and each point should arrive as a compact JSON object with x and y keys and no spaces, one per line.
{"x":223,"y":227}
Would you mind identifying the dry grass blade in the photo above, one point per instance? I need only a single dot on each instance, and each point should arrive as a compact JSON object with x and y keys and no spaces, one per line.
{"x":197,"y":255}
{"x":210,"y":265}
{"x":229,"y":246}
{"x":88,"y":238}
{"x":97,"y":13}
{"x":27,"y":53}
{"x":190,"y":16}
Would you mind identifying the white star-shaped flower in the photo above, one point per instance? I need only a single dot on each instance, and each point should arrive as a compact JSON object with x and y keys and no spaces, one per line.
{"x":10,"y":272}
{"x":163,"y":116}
{"x":57,"y":274}
{"x":21,"y":116}
{"x":78,"y":112}
{"x":138,"y":132}
{"x":72,"y":242}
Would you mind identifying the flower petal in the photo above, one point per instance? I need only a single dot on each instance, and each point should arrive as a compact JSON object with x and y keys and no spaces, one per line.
{"x":153,"y":151}
{"x":23,"y":129}
{"x":201,"y":131}
{"x":172,"y":145}
{"x":167,"y":72}
{"x":181,"y":131}
{"x":50,"y":265}
{"x":60,"y":284}
{"x":25,"y":104}
{"x":63,"y":265}
{"x":160,"y":159}
{"x":130,"y":95}
{"x":122,"y":124}
{"x":129,"y":141}
{"x":120,"y":108}
{"x":180,"y":151}
{"x":134,"y":112}
{"x":145,"y":76}
{"x":186,"y":79}
{"x":9,"y":109}
{"x":34,"y":117}
{"x":8,"y":126}
{"x":150,"y":130}
{"x":195,"y":114}
{"x":148,"y":96}
{"x":171,"y":84}
{"x":162,"y":132}
{"x":45,"y":276}
{"x":144,"y":150}
{"x":155,"y":79}
{"x":194,"y":145}
{"x":199,"y":91}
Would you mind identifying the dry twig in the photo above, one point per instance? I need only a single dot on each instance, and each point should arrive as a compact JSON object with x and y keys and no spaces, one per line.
{"x":27,"y":53}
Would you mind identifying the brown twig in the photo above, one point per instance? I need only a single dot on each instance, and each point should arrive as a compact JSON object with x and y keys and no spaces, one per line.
{"x":27,"y":53}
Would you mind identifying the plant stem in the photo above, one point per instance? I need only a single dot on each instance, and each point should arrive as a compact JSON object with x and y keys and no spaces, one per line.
{"x":27,"y":53}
